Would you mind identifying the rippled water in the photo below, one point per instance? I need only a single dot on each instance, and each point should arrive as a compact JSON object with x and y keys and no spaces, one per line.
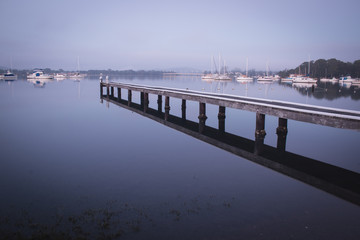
{"x":72,"y":165}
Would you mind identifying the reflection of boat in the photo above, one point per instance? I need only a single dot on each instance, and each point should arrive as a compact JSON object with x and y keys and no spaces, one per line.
{"x":40,"y":82}
{"x":39,"y":74}
{"x":244,"y":78}
{"x":356,"y":82}
{"x":9,"y":76}
{"x":265,"y":82}
{"x":345,"y":84}
{"x":334,"y":79}
{"x":60,"y":76}
{"x":304,"y":80}
{"x":346,"y":79}
{"x":304,"y":85}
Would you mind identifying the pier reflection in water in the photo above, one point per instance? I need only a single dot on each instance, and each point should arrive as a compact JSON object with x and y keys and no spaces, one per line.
{"x":332,"y":179}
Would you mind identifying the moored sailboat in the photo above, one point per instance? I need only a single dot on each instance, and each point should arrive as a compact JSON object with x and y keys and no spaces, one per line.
{"x":245,"y":78}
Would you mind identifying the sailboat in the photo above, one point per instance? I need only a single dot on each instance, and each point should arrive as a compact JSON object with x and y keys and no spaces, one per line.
{"x":305,"y":79}
{"x":9,"y":75}
{"x":77,"y":75}
{"x":245,"y":78}
{"x":210,"y":76}
{"x":224,"y":76}
{"x":266,"y":78}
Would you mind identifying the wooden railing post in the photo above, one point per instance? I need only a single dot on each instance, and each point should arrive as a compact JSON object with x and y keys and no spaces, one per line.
{"x":259,"y":133}
{"x":146,"y":101}
{"x":221,"y":117}
{"x":129,"y":97}
{"x":183,"y":109}
{"x":119,"y":93}
{"x":282,"y":131}
{"x":142,"y":99}
{"x":159,"y":102}
{"x":167,"y":107}
{"x":202,"y":116}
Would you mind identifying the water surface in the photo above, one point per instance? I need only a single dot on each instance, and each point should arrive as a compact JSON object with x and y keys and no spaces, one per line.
{"x":73,"y":165}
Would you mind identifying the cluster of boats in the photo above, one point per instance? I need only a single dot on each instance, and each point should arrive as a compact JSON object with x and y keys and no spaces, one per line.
{"x":347,"y":81}
{"x":39,"y":74}
{"x":293,"y":78}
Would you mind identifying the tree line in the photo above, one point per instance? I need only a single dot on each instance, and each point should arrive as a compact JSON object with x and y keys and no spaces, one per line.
{"x":109,"y":72}
{"x":326,"y":68}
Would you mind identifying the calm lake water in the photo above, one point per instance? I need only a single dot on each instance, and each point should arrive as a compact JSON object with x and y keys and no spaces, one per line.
{"x":73,"y":166}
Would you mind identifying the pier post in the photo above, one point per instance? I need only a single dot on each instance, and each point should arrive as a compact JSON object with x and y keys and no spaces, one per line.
{"x":112,"y":91}
{"x":221,"y":117}
{"x":202,"y":117}
{"x":259,"y":132}
{"x":101,"y":90}
{"x":129,"y":97}
{"x":167,"y":107}
{"x":183,"y":109}
{"x":142,"y":99}
{"x":119,"y":94}
{"x":260,"y":125}
{"x":146,"y":101}
{"x":282,"y":131}
{"x":107,"y":91}
{"x":159,"y":102}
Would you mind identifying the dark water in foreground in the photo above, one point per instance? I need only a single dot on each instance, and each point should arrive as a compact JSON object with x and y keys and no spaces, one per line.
{"x":74,"y":167}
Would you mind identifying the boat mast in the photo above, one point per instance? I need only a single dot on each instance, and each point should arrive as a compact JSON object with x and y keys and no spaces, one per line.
{"x":309,"y":66}
{"x":219,"y":64}
{"x":267,"y":68}
{"x":247,"y":65}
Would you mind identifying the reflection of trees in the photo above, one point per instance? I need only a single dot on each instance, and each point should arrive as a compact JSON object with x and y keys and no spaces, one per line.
{"x":328,"y":91}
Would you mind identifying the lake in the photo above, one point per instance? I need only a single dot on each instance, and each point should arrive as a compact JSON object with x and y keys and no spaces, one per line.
{"x":73,"y":166}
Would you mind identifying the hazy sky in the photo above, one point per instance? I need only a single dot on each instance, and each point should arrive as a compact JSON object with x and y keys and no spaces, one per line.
{"x":154,"y":34}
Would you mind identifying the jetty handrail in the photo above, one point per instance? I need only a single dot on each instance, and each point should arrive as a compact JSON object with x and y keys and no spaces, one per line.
{"x":333,"y":117}
{"x":245,"y":99}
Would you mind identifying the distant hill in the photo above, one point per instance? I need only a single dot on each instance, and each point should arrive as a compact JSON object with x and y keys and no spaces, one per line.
{"x":326,"y":68}
{"x":183,"y":70}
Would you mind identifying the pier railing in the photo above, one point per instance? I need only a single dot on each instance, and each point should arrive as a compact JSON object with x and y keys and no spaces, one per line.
{"x":331,"y":117}
{"x":332,"y":179}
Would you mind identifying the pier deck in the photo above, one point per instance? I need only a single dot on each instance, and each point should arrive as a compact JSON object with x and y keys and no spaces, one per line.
{"x":326,"y":116}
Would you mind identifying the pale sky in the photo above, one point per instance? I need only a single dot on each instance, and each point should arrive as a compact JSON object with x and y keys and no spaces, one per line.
{"x":154,"y":34}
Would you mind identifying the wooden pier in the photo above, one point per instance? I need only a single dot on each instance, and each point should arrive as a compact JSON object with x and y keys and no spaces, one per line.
{"x":331,"y":117}
{"x":332,"y":179}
